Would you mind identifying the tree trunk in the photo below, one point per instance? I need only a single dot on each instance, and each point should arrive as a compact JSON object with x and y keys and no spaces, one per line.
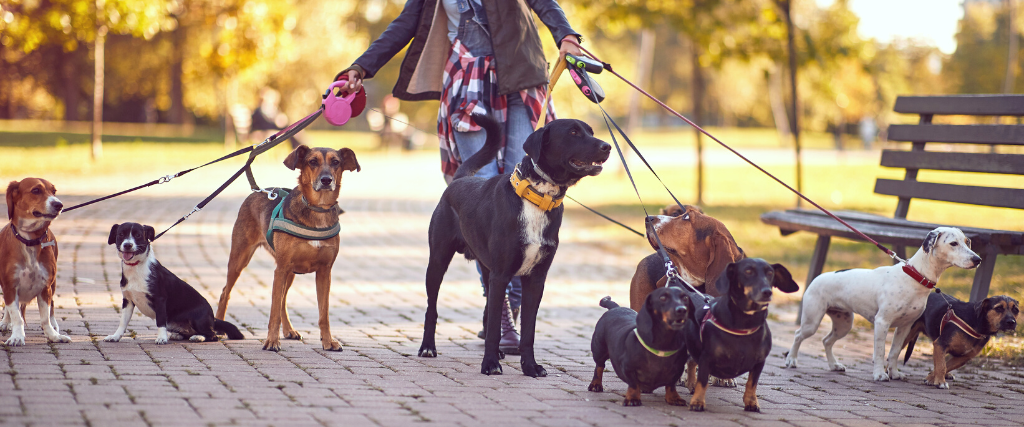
{"x":645,"y":60}
{"x":1011,"y":55}
{"x":698,"y":114}
{"x":71,"y":92}
{"x":778,"y":104}
{"x":177,"y":112}
{"x":794,"y":116}
{"x":97,"y":94}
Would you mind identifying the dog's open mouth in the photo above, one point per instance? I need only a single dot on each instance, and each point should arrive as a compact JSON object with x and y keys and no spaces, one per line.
{"x":38,"y":214}
{"x":677,"y":324}
{"x":128,"y":255}
{"x":588,"y":167}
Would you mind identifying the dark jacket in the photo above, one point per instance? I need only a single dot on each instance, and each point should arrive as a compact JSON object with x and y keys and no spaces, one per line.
{"x":519,"y":58}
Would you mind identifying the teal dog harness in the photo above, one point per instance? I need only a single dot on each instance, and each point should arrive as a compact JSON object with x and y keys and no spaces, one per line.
{"x":279,"y":223}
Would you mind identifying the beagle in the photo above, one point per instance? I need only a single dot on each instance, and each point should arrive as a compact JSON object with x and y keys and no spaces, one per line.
{"x":28,"y":258}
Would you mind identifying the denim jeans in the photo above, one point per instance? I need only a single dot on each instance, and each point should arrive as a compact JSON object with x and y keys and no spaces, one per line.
{"x":517,"y":128}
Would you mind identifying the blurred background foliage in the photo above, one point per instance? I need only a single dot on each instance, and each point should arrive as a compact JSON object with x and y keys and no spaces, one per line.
{"x":189,"y":61}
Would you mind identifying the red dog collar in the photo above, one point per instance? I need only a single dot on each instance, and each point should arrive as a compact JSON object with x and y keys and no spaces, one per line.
{"x":917,"y":276}
{"x":950,"y":316}
{"x":710,"y":318}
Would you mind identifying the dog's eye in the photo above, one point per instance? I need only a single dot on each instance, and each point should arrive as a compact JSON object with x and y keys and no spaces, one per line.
{"x":663,"y":298}
{"x":335,"y":162}
{"x":967,"y":241}
{"x":954,"y":244}
{"x":749,"y":272}
{"x":314,"y":163}
{"x":37,"y":191}
{"x":574,"y":132}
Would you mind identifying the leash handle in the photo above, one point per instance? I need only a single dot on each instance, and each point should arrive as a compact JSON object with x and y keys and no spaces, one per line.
{"x":888,"y":251}
{"x":555,"y":74}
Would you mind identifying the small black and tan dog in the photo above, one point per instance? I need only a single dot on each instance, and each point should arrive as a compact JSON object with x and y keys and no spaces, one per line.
{"x":731,"y":337}
{"x":645,"y":347}
{"x":510,"y":224}
{"x":960,"y":330}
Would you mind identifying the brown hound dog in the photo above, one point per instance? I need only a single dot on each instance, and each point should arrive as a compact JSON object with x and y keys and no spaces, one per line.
{"x":699,"y":246}
{"x":312,"y":204}
{"x":28,"y":258}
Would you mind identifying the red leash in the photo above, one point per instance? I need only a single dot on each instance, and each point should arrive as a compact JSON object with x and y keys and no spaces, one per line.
{"x":608,"y":67}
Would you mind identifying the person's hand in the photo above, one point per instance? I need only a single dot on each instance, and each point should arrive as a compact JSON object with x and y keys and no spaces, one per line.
{"x":569,"y":45}
{"x":355,"y":82}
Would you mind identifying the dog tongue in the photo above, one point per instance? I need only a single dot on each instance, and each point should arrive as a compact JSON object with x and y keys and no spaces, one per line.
{"x":127,"y":255}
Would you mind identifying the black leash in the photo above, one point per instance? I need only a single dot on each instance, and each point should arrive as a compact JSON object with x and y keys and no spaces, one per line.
{"x":606,"y":217}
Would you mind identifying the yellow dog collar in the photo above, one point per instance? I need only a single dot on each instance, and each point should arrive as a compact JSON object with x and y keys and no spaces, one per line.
{"x":526,"y":191}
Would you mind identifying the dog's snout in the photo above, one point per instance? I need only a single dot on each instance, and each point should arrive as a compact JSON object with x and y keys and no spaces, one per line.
{"x":976,"y":260}
{"x":326,"y":181}
{"x":766,"y":294}
{"x":649,"y":219}
{"x":57,"y":205}
{"x":680,"y":310}
{"x":605,"y":147}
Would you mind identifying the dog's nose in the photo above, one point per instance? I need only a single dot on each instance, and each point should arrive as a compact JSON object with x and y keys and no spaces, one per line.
{"x":649,"y":219}
{"x":57,"y":205}
{"x":680,"y":310}
{"x":605,"y":147}
{"x":1012,"y":323}
{"x":976,"y":260}
{"x":326,"y":181}
{"x":767,"y":293}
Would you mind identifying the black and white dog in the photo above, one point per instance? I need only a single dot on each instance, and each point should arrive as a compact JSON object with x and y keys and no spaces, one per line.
{"x":510,"y":224}
{"x":159,"y":294}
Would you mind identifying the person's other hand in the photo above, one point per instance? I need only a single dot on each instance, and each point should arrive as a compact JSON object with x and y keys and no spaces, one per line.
{"x":569,"y":45}
{"x":355,"y":82}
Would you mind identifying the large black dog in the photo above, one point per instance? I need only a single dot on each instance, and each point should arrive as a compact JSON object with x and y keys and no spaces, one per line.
{"x":730,"y":336}
{"x":646,"y":346}
{"x":510,"y":224}
{"x":159,"y":294}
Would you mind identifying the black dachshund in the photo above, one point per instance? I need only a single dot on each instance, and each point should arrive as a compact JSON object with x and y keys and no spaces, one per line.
{"x":729,"y":336}
{"x":646,"y":347}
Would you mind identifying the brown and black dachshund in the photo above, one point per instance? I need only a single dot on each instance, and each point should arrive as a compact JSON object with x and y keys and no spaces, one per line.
{"x":959,"y":336}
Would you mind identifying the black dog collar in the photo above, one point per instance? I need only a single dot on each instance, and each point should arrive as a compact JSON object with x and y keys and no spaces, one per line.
{"x":34,"y":242}
{"x":333,"y":209}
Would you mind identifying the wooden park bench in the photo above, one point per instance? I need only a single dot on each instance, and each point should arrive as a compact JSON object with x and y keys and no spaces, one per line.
{"x":900,"y":232}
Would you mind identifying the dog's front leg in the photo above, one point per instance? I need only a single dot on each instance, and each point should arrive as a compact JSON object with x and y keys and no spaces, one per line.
{"x":283,"y":278}
{"x":750,"y":394}
{"x":127,"y":309}
{"x":52,"y":335}
{"x":17,"y":321}
{"x":323,"y":299}
{"x":938,"y":375}
{"x":533,"y":291}
{"x":700,"y":388}
{"x":159,"y":304}
{"x":878,"y":355}
{"x":894,"y":352}
{"x":287,"y":330}
{"x":496,"y":285}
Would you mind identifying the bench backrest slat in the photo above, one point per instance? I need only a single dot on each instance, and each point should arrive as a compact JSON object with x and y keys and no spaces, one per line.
{"x":965,"y":134}
{"x":973,"y":105}
{"x":957,"y":162}
{"x":983,"y":196}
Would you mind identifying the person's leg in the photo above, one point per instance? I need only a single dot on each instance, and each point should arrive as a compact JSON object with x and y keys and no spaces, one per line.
{"x":518,"y":128}
{"x":468,"y":143}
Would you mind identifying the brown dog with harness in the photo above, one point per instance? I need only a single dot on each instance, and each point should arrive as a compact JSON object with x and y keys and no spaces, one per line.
{"x":300,"y":229}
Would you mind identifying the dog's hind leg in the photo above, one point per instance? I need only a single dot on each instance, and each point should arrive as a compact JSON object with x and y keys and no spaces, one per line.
{"x":440,"y":257}
{"x":809,"y":322}
{"x":282,"y":281}
{"x":842,"y":322}
{"x":533,"y":291}
{"x":894,"y":352}
{"x":287,"y":330}
{"x":599,"y":348}
{"x":323,"y":301}
{"x":243,"y":246}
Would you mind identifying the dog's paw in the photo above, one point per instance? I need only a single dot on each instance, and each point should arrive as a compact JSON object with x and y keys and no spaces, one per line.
{"x":950,"y":376}
{"x":838,"y":367}
{"x":944,"y":386}
{"x":270,"y":345}
{"x":881,"y":376}
{"x":5,"y":326}
{"x":161,"y":340}
{"x":293,"y":335}
{"x":490,"y":367}
{"x":112,"y":338}
{"x":675,"y":401}
{"x":790,"y":362}
{"x":752,"y":408}
{"x":59,"y":338}
{"x":332,"y":345}
{"x":718,"y":382}
{"x":632,"y":402}
{"x":197,"y":338}
{"x":533,"y":370}
{"x":501,"y":354}
{"x":896,"y":375}
{"x":428,"y":352}
{"x":696,"y":406}
{"x":15,"y":340}
{"x":595,"y":387}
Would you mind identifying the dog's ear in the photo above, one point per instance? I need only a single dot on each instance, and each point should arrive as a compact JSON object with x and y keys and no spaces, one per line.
{"x":112,"y":238}
{"x":644,"y":317}
{"x":983,"y":307}
{"x":12,"y":195}
{"x":929,"y":240}
{"x":348,"y":160}
{"x":149,"y":232}
{"x":723,"y":250}
{"x":726,"y":279}
{"x":535,"y":143}
{"x":297,"y":158}
{"x":783,"y":280}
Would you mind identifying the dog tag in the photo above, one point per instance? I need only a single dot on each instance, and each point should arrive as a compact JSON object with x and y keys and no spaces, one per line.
{"x":338,"y":110}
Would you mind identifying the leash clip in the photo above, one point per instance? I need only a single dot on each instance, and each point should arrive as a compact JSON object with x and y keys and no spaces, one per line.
{"x":271,"y":194}
{"x":194,"y":210}
{"x":165,"y":178}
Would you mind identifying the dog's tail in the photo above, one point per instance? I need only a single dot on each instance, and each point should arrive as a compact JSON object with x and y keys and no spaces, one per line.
{"x":487,"y":153}
{"x":228,"y":328}
{"x":607,"y":302}
{"x":915,"y":331}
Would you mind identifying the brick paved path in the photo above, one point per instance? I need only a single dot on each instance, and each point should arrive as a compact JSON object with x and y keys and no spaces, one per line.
{"x":377,"y":305}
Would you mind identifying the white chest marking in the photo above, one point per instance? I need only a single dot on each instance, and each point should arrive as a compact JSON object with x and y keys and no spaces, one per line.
{"x":30,"y":277}
{"x":136,"y":289}
{"x":315,"y":243}
{"x":534,"y":221}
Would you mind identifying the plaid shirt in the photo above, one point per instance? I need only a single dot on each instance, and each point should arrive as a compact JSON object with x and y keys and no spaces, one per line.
{"x":470,"y":86}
